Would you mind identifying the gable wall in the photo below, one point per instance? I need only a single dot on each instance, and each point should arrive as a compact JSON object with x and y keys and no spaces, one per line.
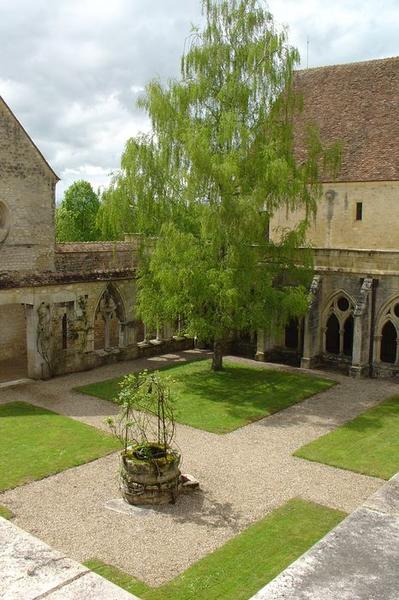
{"x":27,"y":188}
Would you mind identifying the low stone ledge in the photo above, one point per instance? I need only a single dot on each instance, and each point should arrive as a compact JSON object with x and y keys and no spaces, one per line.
{"x":31,"y":570}
{"x":11,"y":280}
{"x":358,"y":560}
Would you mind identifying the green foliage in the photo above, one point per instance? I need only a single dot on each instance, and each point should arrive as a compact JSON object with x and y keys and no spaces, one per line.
{"x":221,"y":402}
{"x":76,"y":216}
{"x":216,"y":166}
{"x":146,"y":412}
{"x":6,"y":513}
{"x":115,"y":215}
{"x":246,"y":563}
{"x":35,"y":443}
{"x":369,"y":444}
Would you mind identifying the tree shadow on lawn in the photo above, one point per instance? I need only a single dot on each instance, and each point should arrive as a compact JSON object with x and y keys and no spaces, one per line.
{"x":241,"y":394}
{"x":248,"y":392}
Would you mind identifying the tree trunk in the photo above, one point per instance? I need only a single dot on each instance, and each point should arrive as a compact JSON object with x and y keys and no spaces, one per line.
{"x":217,"y":359}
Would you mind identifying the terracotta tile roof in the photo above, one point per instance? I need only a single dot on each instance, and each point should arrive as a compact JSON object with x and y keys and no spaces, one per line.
{"x":358,"y":104}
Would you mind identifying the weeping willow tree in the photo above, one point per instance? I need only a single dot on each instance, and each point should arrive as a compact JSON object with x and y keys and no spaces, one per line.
{"x":218,"y":163}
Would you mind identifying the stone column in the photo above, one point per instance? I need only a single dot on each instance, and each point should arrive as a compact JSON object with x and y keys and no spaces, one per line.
{"x":356,"y":368}
{"x":38,"y":368}
{"x":361,"y":331}
{"x":260,"y":345}
{"x":311,"y":328}
{"x":128,"y":335}
{"x":168,"y":331}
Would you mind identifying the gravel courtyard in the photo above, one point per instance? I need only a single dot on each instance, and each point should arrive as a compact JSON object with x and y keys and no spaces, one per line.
{"x":243,"y":475}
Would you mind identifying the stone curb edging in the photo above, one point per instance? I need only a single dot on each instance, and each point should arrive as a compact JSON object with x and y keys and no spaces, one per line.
{"x":357,"y":560}
{"x":32,"y":570}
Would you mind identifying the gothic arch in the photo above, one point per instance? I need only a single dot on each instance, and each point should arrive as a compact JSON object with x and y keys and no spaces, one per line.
{"x":387,"y":332}
{"x":108,"y":316}
{"x":338,"y":324}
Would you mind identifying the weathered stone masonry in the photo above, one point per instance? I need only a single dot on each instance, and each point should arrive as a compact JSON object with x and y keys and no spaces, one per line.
{"x":353,"y":319}
{"x":65,"y":307}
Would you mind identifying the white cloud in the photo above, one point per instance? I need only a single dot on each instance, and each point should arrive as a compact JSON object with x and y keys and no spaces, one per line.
{"x":73,"y":70}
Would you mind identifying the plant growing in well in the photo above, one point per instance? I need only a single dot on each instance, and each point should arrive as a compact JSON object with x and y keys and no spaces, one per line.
{"x":145,"y":424}
{"x":146,"y":428}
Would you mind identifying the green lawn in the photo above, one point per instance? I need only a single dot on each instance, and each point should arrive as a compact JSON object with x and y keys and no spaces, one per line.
{"x":5,"y":512}
{"x":35,"y":442}
{"x":223,"y":401}
{"x":369,"y":444}
{"x":246,"y":563}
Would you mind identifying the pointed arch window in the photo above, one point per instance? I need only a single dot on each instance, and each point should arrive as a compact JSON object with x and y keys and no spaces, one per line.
{"x":332,"y":335}
{"x":387,"y":338}
{"x":389,"y":343}
{"x":348,"y":336}
{"x":291,"y":337}
{"x":339,"y":327}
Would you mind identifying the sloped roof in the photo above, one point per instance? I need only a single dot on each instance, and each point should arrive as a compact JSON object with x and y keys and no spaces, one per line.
{"x":2,"y":101}
{"x":357,"y":104}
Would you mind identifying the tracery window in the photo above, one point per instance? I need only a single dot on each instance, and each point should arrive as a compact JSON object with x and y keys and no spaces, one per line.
{"x":108,"y":318}
{"x":389,"y":334}
{"x":339,"y":327}
{"x":291,"y":335}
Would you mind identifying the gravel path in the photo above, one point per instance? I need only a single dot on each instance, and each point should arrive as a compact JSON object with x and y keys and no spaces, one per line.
{"x":243,"y":475}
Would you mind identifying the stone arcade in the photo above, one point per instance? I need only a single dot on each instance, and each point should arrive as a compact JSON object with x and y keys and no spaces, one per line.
{"x":353,"y":319}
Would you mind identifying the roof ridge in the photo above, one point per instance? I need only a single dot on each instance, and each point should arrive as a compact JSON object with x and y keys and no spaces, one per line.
{"x":349,"y":64}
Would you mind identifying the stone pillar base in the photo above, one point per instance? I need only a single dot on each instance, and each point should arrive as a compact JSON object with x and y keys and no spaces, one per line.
{"x":358,"y":371}
{"x":260,"y":356}
{"x":307,"y":363}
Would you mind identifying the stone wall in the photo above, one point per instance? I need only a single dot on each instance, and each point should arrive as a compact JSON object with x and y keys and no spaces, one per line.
{"x":27,"y":188}
{"x":77,"y":326}
{"x":336,"y":226}
{"x":13,"y":331}
{"x":369,"y":280}
{"x":98,"y":256}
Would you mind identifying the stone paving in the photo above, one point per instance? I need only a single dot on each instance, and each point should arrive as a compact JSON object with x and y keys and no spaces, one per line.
{"x":31,"y":570}
{"x":244,"y":475}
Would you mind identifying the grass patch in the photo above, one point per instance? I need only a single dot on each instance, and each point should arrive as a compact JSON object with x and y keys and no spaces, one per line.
{"x":223,"y":401}
{"x":244,"y":564}
{"x":6,"y":513}
{"x":369,"y":444}
{"x":35,"y":443}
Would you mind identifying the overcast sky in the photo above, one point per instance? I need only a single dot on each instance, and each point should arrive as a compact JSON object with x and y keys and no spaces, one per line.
{"x":71,"y":70}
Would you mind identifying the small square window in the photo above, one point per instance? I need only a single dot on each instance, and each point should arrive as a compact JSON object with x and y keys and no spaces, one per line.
{"x":359,"y":211}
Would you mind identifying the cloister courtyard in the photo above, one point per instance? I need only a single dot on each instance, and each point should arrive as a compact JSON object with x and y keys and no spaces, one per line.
{"x":245,"y":474}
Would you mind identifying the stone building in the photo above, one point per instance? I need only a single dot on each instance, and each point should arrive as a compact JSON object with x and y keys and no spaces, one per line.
{"x":70,"y":307}
{"x":353,"y":319}
{"x":63,"y":307}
